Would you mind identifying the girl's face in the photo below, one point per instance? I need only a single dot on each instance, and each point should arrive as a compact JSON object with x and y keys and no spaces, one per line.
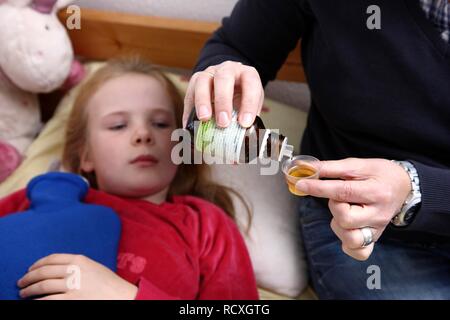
{"x":130,"y":121}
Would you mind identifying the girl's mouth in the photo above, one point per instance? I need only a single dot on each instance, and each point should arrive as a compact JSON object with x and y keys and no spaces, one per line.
{"x":146,"y":160}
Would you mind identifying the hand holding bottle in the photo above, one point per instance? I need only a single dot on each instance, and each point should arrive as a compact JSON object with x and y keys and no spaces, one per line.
{"x":218,"y":88}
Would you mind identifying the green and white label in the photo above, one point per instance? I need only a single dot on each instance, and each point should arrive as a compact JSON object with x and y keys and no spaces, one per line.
{"x":220,"y":143}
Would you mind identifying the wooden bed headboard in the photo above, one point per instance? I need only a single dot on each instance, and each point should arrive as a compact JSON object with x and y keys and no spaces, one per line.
{"x":165,"y":41}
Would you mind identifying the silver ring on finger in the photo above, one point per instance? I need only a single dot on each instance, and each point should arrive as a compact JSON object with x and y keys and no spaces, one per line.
{"x":367,"y":236}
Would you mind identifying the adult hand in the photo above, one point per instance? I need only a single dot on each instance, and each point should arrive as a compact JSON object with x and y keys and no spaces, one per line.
{"x":52,"y":278}
{"x":224,"y":86}
{"x":365,"y":193}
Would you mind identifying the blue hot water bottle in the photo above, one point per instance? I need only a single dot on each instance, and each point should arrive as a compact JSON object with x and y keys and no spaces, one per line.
{"x":57,"y":222}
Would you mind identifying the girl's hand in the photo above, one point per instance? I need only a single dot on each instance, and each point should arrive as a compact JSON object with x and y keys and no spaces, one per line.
{"x":68,"y":276}
{"x":368,"y":193}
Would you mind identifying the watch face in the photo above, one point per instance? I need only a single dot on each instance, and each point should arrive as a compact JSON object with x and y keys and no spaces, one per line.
{"x":409,"y":215}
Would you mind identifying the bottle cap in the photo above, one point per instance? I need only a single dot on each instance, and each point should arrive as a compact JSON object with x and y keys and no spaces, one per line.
{"x":279,"y":147}
{"x":286,"y":150}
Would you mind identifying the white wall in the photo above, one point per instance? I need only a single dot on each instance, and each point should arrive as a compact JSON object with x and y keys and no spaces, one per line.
{"x":208,"y":10}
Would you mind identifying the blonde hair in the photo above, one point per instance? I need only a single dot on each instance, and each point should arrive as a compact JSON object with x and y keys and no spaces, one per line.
{"x":190,"y":179}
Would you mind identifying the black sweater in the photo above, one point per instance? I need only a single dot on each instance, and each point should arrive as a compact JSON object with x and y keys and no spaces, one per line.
{"x":375,"y":93}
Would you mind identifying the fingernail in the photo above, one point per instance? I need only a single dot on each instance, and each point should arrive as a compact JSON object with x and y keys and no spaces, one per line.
{"x":301,"y":186}
{"x":223,"y":119}
{"x":202,"y":112}
{"x":247,"y":119}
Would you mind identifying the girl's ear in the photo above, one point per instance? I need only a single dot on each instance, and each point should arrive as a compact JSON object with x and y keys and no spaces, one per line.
{"x":86,"y":163}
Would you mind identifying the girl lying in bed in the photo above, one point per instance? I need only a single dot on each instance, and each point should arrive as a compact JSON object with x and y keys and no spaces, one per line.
{"x":178,"y":239}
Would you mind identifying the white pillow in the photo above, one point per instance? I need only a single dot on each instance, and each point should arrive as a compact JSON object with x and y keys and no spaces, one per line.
{"x":274,"y":240}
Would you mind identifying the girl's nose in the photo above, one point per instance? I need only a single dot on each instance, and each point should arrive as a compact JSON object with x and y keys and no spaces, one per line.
{"x":142,"y":136}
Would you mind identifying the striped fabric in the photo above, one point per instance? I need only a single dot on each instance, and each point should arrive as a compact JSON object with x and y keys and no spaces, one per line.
{"x":438,"y":11}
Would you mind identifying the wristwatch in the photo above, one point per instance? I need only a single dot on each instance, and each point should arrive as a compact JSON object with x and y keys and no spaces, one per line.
{"x":412,"y":203}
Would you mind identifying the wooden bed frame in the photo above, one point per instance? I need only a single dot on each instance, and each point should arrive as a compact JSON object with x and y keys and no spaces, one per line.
{"x":165,"y":41}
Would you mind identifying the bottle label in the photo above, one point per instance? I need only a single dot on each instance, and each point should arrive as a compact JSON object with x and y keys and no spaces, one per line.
{"x":221,"y":143}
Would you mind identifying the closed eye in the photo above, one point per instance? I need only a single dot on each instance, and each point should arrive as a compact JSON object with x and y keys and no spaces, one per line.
{"x":161,"y":125}
{"x":117,"y":127}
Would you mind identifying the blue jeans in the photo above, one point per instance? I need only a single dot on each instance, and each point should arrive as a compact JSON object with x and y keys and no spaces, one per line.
{"x":407,"y":270}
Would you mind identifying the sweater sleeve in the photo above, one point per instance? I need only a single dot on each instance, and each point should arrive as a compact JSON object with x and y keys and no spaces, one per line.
{"x":434,"y":213}
{"x":226,"y":272}
{"x":148,"y":291}
{"x":15,"y":202}
{"x":257,"y":33}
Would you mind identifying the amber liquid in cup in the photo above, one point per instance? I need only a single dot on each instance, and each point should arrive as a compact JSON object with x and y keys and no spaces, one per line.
{"x":299,"y":172}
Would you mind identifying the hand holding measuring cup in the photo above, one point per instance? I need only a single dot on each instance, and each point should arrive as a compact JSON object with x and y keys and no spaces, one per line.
{"x":364,"y":195}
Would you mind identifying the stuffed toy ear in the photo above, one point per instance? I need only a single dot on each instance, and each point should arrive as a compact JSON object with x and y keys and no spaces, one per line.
{"x":49,"y":6}
{"x":43,"y":6}
{"x":17,"y":3}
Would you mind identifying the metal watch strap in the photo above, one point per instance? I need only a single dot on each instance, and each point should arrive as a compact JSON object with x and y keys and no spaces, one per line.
{"x":404,"y":217}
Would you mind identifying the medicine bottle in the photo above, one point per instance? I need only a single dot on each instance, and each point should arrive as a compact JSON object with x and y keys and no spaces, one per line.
{"x":236,"y":144}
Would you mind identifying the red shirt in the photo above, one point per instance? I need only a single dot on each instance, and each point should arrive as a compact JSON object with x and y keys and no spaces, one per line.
{"x":184,"y":249}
